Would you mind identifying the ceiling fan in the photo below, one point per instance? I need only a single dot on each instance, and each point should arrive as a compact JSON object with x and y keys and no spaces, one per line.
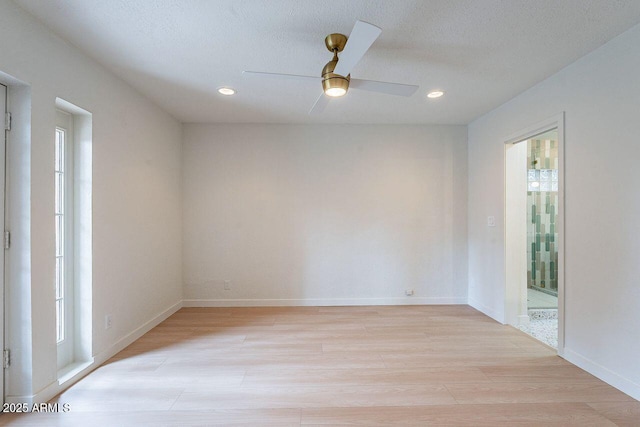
{"x":335,"y":78}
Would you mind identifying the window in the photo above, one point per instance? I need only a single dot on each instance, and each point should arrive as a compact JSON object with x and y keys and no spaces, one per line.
{"x":73,"y":237}
{"x":59,"y":214}
{"x":64,"y":224}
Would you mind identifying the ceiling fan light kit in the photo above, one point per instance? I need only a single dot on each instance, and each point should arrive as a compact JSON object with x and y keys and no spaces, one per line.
{"x":336,"y":75}
{"x":227,"y":91}
{"x":335,"y":87}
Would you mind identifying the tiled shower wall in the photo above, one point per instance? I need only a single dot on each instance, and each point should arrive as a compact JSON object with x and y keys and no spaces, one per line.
{"x":542,"y":202}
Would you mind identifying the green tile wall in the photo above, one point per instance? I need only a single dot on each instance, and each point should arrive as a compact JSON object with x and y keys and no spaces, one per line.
{"x":541,"y":218}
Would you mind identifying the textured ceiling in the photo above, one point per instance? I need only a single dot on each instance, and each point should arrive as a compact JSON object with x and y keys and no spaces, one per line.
{"x":481,"y":53}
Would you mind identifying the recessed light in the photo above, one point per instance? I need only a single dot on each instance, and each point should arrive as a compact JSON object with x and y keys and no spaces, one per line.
{"x":226,"y":91}
{"x":435,"y":94}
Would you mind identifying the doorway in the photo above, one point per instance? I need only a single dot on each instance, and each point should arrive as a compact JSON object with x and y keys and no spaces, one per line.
{"x":534,"y":194}
{"x":542,"y":237}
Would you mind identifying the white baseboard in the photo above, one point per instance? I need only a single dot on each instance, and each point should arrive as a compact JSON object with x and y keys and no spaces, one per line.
{"x":498,"y":317}
{"x":128,"y":339}
{"x":53,"y":389}
{"x":610,"y":377}
{"x":320,"y":302}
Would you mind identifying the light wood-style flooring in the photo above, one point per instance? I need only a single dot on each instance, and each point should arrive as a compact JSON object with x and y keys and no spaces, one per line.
{"x":329,"y":366}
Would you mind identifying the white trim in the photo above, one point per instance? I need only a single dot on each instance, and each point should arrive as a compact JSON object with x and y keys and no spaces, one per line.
{"x":18,"y":331}
{"x":128,"y":339}
{"x":54,"y":388}
{"x":535,"y":129}
{"x":515,"y":232}
{"x":556,"y":121}
{"x":77,"y":348}
{"x":320,"y":302}
{"x":76,"y":372}
{"x":69,"y":373}
{"x":610,"y":377}
{"x":485,"y":309}
{"x":5,"y":228}
{"x":70,"y":108}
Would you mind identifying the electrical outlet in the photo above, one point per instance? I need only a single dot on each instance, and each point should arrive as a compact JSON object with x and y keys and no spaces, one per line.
{"x":408,"y":292}
{"x":108,"y":321}
{"x":227,"y":285}
{"x":491,"y":221}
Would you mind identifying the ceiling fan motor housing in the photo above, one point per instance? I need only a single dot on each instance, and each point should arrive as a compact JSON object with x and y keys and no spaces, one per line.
{"x":332,"y":82}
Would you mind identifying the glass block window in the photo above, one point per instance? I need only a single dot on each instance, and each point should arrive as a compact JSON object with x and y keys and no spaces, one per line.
{"x":542,"y":180}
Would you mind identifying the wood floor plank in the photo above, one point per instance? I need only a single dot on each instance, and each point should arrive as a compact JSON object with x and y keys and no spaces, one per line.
{"x":358,"y":376}
{"x":532,"y":415}
{"x":624,"y":414}
{"x":119,"y":399}
{"x":170,"y":375}
{"x":309,"y":337}
{"x":535,"y":393}
{"x":312,"y":396}
{"x":293,"y":366}
{"x":561,"y":373}
{"x":178,"y":418}
{"x":414,"y":360}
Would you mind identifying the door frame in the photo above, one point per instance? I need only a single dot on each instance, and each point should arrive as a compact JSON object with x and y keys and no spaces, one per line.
{"x":3,"y":202}
{"x":511,"y":284}
{"x":515,"y":244}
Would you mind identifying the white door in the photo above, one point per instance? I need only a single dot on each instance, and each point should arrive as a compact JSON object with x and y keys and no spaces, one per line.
{"x":3,"y":139}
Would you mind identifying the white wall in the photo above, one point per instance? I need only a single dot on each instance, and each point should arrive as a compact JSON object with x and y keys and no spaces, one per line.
{"x":600,"y":94}
{"x":324,"y":214}
{"x":136,"y":198}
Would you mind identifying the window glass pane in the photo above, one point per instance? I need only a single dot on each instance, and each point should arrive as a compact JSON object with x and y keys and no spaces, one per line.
{"x":59,"y":192}
{"x":58,"y":150}
{"x":59,"y":321}
{"x":59,"y":277}
{"x":59,"y":237}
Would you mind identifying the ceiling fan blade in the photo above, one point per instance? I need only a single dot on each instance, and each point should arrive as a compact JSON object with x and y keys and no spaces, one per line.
{"x":278,"y":75}
{"x":383,"y":87}
{"x":360,"y":40}
{"x":321,"y":103}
